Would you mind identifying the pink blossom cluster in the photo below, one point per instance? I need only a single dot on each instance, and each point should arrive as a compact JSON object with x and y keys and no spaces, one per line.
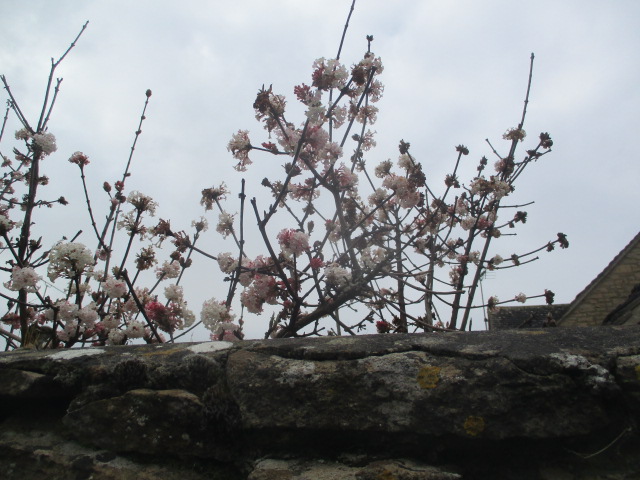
{"x":493,"y":186}
{"x":114,"y":288}
{"x":263,"y":289}
{"x":169,"y":317}
{"x":79,"y":159}
{"x":306,"y":191}
{"x":329,"y":74}
{"x":293,"y":242}
{"x":344,"y":178}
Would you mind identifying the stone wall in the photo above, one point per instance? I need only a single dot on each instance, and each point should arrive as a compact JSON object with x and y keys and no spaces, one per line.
{"x":521,"y":404}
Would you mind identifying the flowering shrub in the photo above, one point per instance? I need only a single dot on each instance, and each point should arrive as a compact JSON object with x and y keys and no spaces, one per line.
{"x":395,"y":252}
{"x":360,"y":245}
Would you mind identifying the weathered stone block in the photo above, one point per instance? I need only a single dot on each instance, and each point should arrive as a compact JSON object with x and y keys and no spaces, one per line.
{"x":506,"y":404}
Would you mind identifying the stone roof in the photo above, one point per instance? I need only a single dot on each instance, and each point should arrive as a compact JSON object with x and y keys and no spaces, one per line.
{"x":524,"y":316}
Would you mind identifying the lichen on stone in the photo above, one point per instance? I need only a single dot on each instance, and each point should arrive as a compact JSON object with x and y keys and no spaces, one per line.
{"x":474,"y":425}
{"x":429,"y":376}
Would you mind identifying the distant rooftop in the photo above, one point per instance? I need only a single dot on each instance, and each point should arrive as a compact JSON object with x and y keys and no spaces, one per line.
{"x":525,"y":316}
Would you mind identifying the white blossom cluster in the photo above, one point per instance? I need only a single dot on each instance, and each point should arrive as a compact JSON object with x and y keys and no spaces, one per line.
{"x":217,"y":318}
{"x":227,"y":262}
{"x":225,"y":224}
{"x":337,"y":276}
{"x":69,"y":260}
{"x":142,"y":202}
{"x":46,"y":141}
{"x":5,"y":224}
{"x":168,"y":270}
{"x":26,"y":278}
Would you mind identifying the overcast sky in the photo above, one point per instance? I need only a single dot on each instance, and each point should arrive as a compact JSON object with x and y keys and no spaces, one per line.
{"x":455,"y":73}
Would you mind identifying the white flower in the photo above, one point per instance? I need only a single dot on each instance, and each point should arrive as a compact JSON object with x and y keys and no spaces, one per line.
{"x":501,"y":189}
{"x":88,"y":315}
{"x":369,"y":113}
{"x":168,"y":270}
{"x":46,"y":141}
{"x":329,"y":74}
{"x":26,"y":278}
{"x":345,"y":177}
{"x":405,"y":162}
{"x":200,"y":225}
{"x":174,"y":293}
{"x":70,"y":330}
{"x":383,"y":169}
{"x":370,"y":258}
{"x":377,"y":197}
{"x":515,"y":134}
{"x":334,"y":230}
{"x":5,"y":224}
{"x":239,"y":146}
{"x":69,"y":260}
{"x":405,"y":191}
{"x":492,"y":304}
{"x":23,"y":134}
{"x":225,"y":224}
{"x":474,"y":257}
{"x":337,"y":276}
{"x":227,"y":262}
{"x":215,"y":313}
{"x":135,"y":329}
{"x":187,"y":315}
{"x":497,"y":260}
{"x":252,"y":302}
{"x":116,"y":337}
{"x":114,"y":288}
{"x":110,"y":322}
{"x":142,"y":203}
{"x":293,"y":242}
{"x":339,"y":115}
{"x":468,"y":222}
{"x":316,"y":113}
{"x":66,"y":311}
{"x":521,"y":297}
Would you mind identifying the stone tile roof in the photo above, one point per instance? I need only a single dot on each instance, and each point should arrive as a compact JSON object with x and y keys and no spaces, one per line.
{"x":524,"y":316}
